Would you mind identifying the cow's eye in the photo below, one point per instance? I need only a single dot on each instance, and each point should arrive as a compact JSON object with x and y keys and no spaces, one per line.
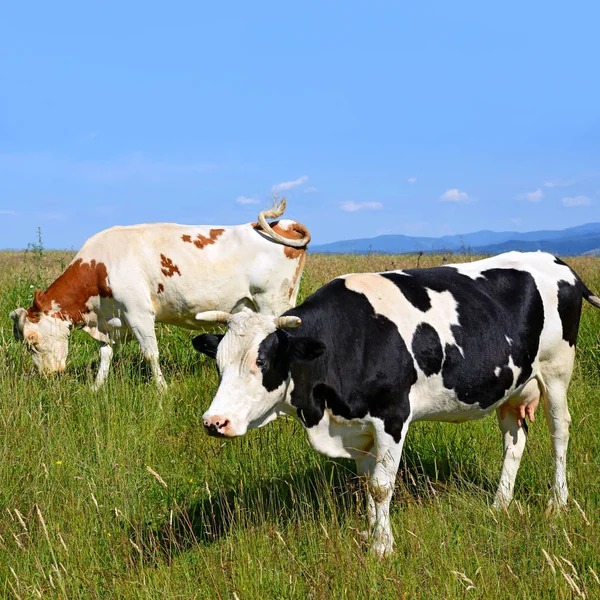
{"x":260,"y":362}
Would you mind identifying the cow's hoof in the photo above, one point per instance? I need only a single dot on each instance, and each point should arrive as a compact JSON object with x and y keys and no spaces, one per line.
{"x":500,"y":503}
{"x":381,"y":549}
{"x":555,"y":506}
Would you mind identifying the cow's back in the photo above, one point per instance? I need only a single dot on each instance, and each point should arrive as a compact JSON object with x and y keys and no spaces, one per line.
{"x":180,"y":270}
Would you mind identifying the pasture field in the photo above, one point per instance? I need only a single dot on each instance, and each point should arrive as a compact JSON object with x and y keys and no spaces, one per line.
{"x":120,"y":493}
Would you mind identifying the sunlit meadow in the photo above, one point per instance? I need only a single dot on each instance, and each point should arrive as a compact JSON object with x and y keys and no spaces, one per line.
{"x":121,"y":494}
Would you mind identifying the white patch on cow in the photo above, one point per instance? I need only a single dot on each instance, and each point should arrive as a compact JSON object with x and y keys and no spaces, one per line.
{"x":531,"y":262}
{"x":387,"y":300}
{"x":54,"y":307}
{"x":337,"y":437}
{"x":516,"y":371}
{"x":509,"y":340}
{"x":497,"y":371}
{"x":242,"y":399}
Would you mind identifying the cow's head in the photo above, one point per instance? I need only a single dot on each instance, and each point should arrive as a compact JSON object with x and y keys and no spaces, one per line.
{"x":254,"y":359}
{"x":46,"y":337}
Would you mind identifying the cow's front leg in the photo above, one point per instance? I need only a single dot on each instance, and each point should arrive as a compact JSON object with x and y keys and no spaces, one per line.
{"x":106,"y":355}
{"x":143,"y":330}
{"x":387,"y":453}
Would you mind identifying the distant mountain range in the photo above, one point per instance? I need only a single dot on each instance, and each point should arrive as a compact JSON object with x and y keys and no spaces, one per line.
{"x":584,"y":239}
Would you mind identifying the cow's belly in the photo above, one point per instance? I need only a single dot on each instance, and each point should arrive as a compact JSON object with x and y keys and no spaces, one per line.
{"x":433,"y":402}
{"x":341,"y":438}
{"x":178,"y":305}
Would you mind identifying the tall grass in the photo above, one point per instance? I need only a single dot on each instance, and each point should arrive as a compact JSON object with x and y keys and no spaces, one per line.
{"x":120,"y":494}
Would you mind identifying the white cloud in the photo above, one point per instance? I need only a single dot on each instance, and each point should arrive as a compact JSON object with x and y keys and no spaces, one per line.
{"x":246,"y":200}
{"x":412,"y":180}
{"x":454,"y":195}
{"x":558,"y":183}
{"x":8,"y":212}
{"x":311,"y":190}
{"x":516,"y":220}
{"x":569,"y":202}
{"x":288,"y":185}
{"x":535,"y":196}
{"x":354,"y":206}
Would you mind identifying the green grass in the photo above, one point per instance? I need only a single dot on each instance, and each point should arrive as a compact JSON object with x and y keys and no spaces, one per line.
{"x":264,"y":516}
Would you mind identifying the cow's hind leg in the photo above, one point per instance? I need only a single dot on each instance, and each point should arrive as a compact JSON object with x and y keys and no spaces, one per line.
{"x":514,"y":436}
{"x":558,"y":419}
{"x":365,"y":466}
{"x":143,"y":330}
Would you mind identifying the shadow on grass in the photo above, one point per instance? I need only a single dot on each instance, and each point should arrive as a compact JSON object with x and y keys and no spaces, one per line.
{"x":331,"y":493}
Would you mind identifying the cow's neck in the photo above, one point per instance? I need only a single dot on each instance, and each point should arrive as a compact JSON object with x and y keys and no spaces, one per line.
{"x":67,"y":298}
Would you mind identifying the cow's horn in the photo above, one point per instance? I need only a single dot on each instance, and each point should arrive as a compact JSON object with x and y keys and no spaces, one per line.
{"x":216,"y":316}
{"x":287,"y":322}
{"x":275,"y":212}
{"x":16,"y":314}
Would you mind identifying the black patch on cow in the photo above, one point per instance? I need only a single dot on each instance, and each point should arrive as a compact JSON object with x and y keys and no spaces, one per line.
{"x":500,"y":303}
{"x":273,"y":361}
{"x":207,"y":343}
{"x":278,"y":350}
{"x":569,"y":309}
{"x":427,"y":349}
{"x":412,"y":290}
{"x":366,"y":368}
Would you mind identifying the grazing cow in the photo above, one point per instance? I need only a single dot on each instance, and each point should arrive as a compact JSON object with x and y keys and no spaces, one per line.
{"x":369,"y":353}
{"x":124,"y":279}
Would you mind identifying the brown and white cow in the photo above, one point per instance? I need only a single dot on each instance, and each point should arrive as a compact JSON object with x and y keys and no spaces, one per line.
{"x":125,"y":279}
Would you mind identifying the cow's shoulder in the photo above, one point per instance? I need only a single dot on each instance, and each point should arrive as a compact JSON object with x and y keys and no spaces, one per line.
{"x":366,"y":368}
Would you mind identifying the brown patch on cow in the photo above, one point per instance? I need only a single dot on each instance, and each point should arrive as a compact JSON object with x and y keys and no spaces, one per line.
{"x":71,"y":291}
{"x":161,"y":288}
{"x":168,"y":267}
{"x":296,"y":231}
{"x":298,"y":273}
{"x":202,"y":241}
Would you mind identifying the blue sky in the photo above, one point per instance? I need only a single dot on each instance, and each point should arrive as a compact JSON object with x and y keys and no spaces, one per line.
{"x":371,"y":118}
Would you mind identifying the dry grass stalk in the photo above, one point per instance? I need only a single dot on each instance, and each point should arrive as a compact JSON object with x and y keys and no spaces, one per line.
{"x":157,"y":477}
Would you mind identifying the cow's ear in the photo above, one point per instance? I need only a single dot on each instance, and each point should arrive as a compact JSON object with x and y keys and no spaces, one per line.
{"x":305,"y":348}
{"x":207,"y":343}
{"x":39,"y":300}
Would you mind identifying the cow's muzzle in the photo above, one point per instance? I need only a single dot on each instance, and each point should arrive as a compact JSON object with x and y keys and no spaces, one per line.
{"x":218,"y":426}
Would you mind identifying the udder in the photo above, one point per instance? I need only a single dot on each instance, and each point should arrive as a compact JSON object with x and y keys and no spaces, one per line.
{"x":524,"y":404}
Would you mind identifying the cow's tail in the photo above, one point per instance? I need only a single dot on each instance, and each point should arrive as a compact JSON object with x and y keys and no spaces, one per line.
{"x":591,"y":298}
{"x":275,"y":212}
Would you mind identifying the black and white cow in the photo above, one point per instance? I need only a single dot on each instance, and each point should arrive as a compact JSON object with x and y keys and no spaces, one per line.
{"x":367,"y":354}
